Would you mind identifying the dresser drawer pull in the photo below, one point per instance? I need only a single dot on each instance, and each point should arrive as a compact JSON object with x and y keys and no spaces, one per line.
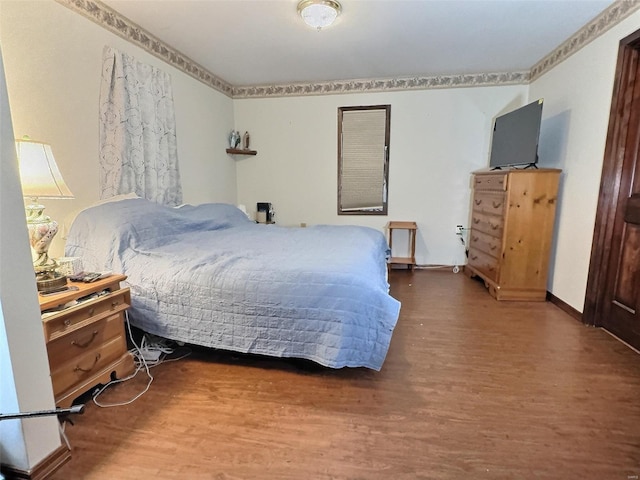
{"x":493,"y":247}
{"x":494,"y":227}
{"x":478,"y":202}
{"x":497,"y":204}
{"x":87,"y":343}
{"x":91,"y":312}
{"x":114,"y":304}
{"x":474,"y":257}
{"x":475,"y":239}
{"x":80,"y":369}
{"x":476,"y":220}
{"x":67,"y":322}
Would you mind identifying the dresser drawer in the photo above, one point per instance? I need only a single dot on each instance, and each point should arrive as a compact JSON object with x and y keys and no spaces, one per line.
{"x":489,"y":224}
{"x":83,"y":339}
{"x":485,"y":243}
{"x":489,"y":202}
{"x":486,"y":264}
{"x":85,"y":313}
{"x":86,"y":365}
{"x":490,"y":181}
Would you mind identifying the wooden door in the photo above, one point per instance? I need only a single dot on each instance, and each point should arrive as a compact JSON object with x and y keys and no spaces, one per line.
{"x":613,"y":288}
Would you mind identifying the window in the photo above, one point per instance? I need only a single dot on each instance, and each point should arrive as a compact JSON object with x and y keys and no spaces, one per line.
{"x":363,"y":159}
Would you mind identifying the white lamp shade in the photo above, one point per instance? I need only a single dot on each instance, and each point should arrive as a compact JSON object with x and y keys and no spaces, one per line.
{"x":319,"y":13}
{"x":39,"y":173}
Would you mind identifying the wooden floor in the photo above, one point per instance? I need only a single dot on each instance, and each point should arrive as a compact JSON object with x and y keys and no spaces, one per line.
{"x":471,"y":389}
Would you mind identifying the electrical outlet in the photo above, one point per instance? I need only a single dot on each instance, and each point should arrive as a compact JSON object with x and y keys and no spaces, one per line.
{"x":459,"y":229}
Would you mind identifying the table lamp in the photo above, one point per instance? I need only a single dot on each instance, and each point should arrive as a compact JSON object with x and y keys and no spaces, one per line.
{"x":41,"y":178}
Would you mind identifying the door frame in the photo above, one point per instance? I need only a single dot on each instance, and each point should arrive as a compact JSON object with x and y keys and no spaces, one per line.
{"x":603,"y":233}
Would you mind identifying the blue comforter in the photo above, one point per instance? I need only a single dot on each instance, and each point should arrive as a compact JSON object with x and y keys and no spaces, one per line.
{"x":208,"y":275}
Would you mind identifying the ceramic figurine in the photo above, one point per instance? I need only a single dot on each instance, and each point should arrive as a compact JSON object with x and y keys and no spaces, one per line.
{"x":234,"y":139}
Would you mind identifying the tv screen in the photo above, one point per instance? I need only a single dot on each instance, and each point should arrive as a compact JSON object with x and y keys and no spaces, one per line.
{"x":515,"y":137}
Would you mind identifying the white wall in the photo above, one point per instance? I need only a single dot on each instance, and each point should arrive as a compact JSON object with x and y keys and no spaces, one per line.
{"x":24,"y":368}
{"x":577,"y":97}
{"x":53,"y":67}
{"x":438,"y":137}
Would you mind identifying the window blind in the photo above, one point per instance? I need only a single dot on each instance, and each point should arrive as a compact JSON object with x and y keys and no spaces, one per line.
{"x":363,"y":159}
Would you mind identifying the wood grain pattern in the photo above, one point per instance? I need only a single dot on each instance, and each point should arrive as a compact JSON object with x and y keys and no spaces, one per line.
{"x":86,"y":343}
{"x":516,"y":208}
{"x":472,"y":388}
{"x":613,"y":286}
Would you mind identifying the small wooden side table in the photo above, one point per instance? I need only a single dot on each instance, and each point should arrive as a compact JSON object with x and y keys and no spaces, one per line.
{"x":409,"y":261}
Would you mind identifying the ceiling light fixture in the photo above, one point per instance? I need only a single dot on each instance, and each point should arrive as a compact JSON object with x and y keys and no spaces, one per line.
{"x":319,"y":13}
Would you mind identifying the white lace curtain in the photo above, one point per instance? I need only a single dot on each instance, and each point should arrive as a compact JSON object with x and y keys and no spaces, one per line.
{"x":138,"y":152}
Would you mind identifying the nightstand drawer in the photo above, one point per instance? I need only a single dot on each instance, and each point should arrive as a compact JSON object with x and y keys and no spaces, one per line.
{"x":85,"y":313}
{"x":83,"y":339}
{"x":82,"y":367}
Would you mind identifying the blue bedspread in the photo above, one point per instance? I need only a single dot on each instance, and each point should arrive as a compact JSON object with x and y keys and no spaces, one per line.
{"x":207,"y":275}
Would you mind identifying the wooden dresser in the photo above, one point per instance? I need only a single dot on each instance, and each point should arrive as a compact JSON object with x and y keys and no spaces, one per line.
{"x":512,"y":220}
{"x":86,"y":342}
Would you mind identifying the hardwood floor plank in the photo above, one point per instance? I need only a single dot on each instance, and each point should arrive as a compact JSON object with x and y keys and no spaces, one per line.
{"x":471,"y":388}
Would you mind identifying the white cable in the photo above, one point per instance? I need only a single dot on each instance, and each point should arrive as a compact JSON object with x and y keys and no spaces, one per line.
{"x":138,"y":368}
{"x":141,"y":360}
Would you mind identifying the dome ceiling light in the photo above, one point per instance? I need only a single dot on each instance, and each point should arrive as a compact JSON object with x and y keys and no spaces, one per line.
{"x":319,"y":13}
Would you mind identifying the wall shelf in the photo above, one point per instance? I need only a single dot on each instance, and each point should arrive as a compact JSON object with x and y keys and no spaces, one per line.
{"x":239,"y":151}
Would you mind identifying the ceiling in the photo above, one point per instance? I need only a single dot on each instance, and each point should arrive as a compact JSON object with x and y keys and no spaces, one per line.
{"x":265,"y":42}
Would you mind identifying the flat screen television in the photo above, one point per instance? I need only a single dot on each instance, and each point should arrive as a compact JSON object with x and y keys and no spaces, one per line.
{"x":515,"y":137}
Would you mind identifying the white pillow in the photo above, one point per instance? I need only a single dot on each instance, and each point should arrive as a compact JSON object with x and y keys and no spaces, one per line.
{"x":66,"y":224}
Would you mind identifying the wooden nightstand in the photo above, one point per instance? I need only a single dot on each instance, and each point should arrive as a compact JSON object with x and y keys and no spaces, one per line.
{"x":86,"y":342}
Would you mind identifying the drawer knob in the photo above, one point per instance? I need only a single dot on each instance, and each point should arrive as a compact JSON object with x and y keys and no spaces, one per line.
{"x":476,"y":220}
{"x":67,"y":322}
{"x":87,"y":343}
{"x":114,"y":304}
{"x":91,"y":311}
{"x":494,"y":227}
{"x":497,"y":204}
{"x":80,"y":369}
{"x":474,"y":257}
{"x":478,"y":202}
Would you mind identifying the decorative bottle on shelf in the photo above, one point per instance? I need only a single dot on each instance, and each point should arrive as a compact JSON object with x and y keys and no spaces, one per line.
{"x":245,"y":141}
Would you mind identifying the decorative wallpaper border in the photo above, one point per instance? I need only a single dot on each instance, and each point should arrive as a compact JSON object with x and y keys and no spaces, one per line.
{"x":610,"y":17}
{"x":383,"y":85}
{"x":115,"y":22}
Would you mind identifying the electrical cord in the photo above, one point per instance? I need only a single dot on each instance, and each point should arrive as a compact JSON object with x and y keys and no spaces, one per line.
{"x":146,"y":356}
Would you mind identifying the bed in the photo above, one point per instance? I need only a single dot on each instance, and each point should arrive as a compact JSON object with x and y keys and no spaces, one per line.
{"x":209,"y":276}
